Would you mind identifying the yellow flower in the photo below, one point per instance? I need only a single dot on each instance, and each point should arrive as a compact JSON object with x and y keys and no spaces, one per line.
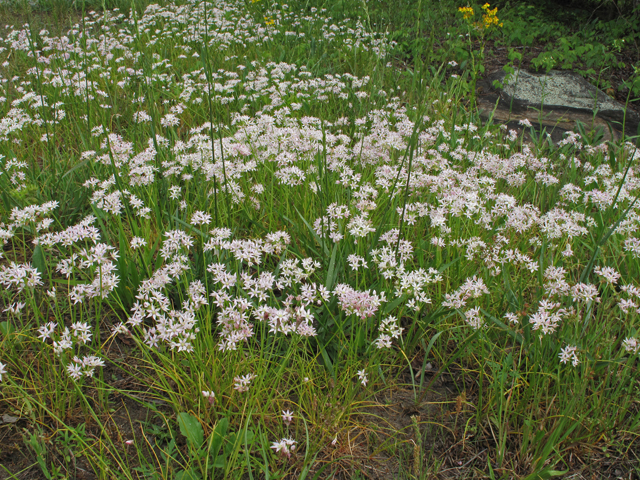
{"x":489,"y":18}
{"x":268,"y":20}
{"x":467,"y":12}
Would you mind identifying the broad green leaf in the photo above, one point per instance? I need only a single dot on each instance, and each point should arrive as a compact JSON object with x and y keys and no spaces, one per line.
{"x":190,"y":427}
{"x":38,"y":260}
{"x":391,"y":305}
{"x":333,"y":274}
{"x":6,"y":329}
{"x":442,"y":268}
{"x":215,"y":442}
{"x":230,"y":443}
{"x":187,"y":475}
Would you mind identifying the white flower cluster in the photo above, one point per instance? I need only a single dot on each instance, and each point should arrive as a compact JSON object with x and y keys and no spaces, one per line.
{"x":84,"y":367}
{"x":272,"y":152}
{"x":242,"y":384}
{"x":363,"y":304}
{"x":631,"y":345}
{"x":389,"y":329}
{"x":78,"y":334}
{"x":473,"y":287}
{"x":548,"y":317}
{"x":284,"y":447}
{"x":569,"y":354}
{"x":20,"y":276}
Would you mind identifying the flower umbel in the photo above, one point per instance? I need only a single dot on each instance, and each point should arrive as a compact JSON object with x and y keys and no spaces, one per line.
{"x":210,"y":396}
{"x":287,"y":417}
{"x":568,"y":353}
{"x":284,"y":447}
{"x":362,"y":375}
{"x":242,"y":384}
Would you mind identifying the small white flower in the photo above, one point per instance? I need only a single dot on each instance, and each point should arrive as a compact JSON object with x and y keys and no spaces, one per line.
{"x":15,"y":307}
{"x":284,"y":447}
{"x":438,"y":242}
{"x":585,"y":292}
{"x":199,"y":218}
{"x":119,"y":328}
{"x":413,"y":305}
{"x":242,"y":383}
{"x":356,"y":262}
{"x":287,"y":417}
{"x":46,"y":330}
{"x":169,"y":120}
{"x":474,"y":318}
{"x":210,"y":396}
{"x":609,"y":274}
{"x":512,"y":317}
{"x":137,"y":242}
{"x":631,"y":345}
{"x":568,"y":353}
{"x":362,"y":375}
{"x":74,"y":370}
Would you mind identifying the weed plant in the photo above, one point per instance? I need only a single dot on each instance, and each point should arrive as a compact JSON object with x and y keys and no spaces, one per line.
{"x":230,"y":228}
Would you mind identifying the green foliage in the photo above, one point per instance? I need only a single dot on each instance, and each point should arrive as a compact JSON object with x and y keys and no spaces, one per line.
{"x":573,"y":54}
{"x":525,"y":26}
{"x":579,"y":38}
{"x":191,"y":428}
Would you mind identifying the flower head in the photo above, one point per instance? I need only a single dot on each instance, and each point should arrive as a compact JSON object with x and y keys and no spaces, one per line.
{"x":608,"y":274}
{"x":467,"y":13}
{"x":631,"y":345}
{"x":210,"y":396}
{"x":242,"y":383}
{"x":284,"y":447}
{"x":287,"y":417}
{"x":568,"y":353}
{"x":362,"y":375}
{"x":489,"y":18}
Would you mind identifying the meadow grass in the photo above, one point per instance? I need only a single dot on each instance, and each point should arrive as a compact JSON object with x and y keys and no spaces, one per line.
{"x":241,"y":239}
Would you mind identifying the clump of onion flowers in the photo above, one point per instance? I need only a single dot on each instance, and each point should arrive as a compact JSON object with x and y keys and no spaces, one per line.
{"x":284,"y":447}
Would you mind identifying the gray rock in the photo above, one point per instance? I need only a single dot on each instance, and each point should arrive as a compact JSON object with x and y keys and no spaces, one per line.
{"x":6,"y":418}
{"x":558,"y":89}
{"x":555,"y":102}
